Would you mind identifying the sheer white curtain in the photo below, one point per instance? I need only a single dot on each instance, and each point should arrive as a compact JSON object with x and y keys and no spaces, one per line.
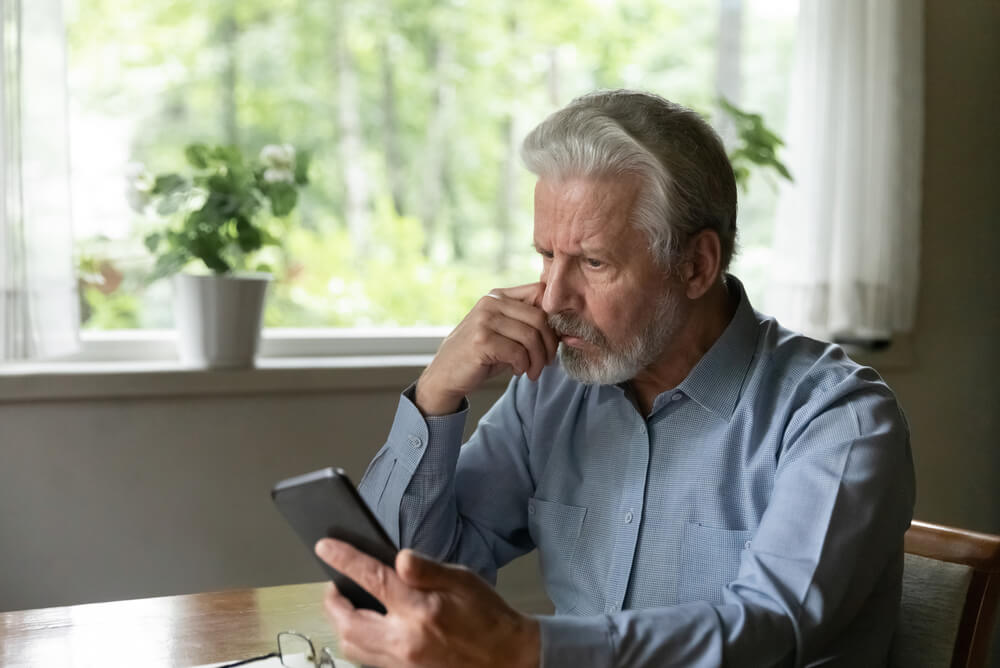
{"x":847,"y":231}
{"x":39,"y":307}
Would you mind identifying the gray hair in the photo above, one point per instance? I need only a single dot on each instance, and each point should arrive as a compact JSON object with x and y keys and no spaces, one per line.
{"x":688,"y":183}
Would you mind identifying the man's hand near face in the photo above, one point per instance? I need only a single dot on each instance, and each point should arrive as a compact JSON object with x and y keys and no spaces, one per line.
{"x":505,"y":330}
{"x":436,"y":615}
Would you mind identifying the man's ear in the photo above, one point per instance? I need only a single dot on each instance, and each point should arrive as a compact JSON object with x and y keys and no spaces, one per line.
{"x":702,"y":262}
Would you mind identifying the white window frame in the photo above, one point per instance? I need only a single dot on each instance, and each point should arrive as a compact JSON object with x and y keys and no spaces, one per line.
{"x":159,"y":345}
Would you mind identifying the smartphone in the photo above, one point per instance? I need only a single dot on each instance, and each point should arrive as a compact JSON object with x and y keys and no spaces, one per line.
{"x":325,"y":504}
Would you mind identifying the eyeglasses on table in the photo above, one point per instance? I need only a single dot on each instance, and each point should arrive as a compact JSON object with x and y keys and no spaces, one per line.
{"x":295,"y":650}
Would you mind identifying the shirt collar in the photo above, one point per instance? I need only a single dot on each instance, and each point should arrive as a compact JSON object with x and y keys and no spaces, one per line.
{"x":716,"y":380}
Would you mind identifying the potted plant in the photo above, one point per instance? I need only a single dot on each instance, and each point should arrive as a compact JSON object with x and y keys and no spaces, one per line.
{"x":219,"y":217}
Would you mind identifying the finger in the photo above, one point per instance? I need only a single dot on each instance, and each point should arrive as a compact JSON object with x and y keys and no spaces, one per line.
{"x":360,"y":636}
{"x":524,"y":312}
{"x":359,"y":656}
{"x":336,"y":604}
{"x":422,"y":572}
{"x":530,"y":338}
{"x":529,"y":293}
{"x":374,"y":576}
{"x":495,"y":350}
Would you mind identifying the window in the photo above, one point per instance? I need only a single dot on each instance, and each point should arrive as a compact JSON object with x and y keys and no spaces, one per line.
{"x":412,"y":113}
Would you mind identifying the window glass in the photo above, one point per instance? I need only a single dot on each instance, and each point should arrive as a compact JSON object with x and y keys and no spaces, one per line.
{"x":412,"y":111}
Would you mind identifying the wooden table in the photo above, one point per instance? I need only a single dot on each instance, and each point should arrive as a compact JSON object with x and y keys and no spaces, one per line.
{"x":169,"y":631}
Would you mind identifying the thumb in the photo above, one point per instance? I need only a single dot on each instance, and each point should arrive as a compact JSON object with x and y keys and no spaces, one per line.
{"x":421,"y":572}
{"x":530,"y":293}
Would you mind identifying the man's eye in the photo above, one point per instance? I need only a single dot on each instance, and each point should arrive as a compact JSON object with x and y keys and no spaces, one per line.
{"x":546,"y":254}
{"x":594,"y":264}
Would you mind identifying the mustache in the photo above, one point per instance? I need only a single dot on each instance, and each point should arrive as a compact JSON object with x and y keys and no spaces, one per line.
{"x":565,"y":324}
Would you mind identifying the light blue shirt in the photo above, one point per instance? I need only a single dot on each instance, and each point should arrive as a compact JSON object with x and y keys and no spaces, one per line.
{"x":754,"y":518}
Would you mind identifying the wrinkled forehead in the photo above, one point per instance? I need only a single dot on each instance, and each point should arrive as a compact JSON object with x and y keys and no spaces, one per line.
{"x":578,"y":213}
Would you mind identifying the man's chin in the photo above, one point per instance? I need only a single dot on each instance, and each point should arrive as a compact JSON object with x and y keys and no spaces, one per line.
{"x":591,"y":369}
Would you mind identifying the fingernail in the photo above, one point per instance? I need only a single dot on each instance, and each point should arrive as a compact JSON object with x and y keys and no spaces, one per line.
{"x":324,"y":547}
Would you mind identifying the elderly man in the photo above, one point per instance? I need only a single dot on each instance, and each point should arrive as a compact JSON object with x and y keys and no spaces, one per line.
{"x":704,"y":487}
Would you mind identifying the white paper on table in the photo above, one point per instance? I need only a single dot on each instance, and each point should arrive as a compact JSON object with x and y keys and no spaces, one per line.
{"x":275,"y":662}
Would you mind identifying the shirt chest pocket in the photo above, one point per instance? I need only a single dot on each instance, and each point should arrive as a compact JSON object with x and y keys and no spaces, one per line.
{"x":710,"y":559}
{"x":555,"y":529}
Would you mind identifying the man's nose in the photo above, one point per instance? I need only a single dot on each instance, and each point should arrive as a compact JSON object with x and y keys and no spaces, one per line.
{"x":559,"y":293}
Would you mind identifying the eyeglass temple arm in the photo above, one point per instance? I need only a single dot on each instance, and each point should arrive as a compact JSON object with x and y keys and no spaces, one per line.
{"x":250,"y":660}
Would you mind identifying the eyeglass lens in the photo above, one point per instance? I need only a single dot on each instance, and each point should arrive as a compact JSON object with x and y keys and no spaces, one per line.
{"x":296,"y":651}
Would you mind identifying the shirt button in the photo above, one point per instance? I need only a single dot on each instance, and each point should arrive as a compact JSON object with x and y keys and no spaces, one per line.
{"x":746,"y":545}
{"x":677,"y":397}
{"x":531,"y":509}
{"x":614,"y":607}
{"x":415,"y":441}
{"x":628,"y":517}
{"x":642,"y":428}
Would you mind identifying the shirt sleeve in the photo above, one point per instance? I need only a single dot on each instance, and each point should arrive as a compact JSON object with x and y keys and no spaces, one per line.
{"x":460,"y":504}
{"x":828,"y":547}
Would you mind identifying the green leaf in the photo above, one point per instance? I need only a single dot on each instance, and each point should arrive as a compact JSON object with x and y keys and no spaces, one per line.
{"x":302,"y":160}
{"x":168,"y":264}
{"x":168,"y":204}
{"x":207,"y":247}
{"x":152,"y":241}
{"x":216,"y":210}
{"x":248,"y":237}
{"x":175,"y":239}
{"x":742,"y":175}
{"x":197,"y":155}
{"x":758,"y":144}
{"x":215,"y":263}
{"x":167,"y":184}
{"x":219,"y":183}
{"x":230,"y":155}
{"x":283,"y":198}
{"x":268,"y":239}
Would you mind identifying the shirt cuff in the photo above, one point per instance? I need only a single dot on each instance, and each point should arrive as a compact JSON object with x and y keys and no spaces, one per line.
{"x":570,"y":642}
{"x":412,"y":432}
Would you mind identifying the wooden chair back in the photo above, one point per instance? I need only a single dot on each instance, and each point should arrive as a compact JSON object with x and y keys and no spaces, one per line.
{"x":960,"y":557}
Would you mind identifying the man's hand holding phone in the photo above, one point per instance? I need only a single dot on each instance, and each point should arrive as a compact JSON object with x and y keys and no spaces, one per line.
{"x":436,"y":615}
{"x":505,"y":330}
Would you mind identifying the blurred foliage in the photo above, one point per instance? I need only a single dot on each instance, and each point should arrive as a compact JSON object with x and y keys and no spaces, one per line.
{"x":757,"y":147}
{"x":411,"y":110}
{"x":105,"y":303}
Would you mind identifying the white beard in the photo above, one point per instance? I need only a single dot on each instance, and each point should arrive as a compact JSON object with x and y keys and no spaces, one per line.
{"x":610,"y":365}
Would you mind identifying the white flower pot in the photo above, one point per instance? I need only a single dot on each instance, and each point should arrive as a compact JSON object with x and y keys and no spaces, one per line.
{"x":218,"y":319}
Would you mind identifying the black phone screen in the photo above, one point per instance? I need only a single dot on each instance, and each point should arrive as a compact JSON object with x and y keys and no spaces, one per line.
{"x":325,"y":504}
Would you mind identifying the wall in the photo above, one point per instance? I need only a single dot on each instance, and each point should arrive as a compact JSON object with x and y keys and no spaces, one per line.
{"x":951,"y":391}
{"x":136,"y":497}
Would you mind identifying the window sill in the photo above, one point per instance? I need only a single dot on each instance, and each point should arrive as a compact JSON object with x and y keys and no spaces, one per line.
{"x":899,"y":356}
{"x":146,"y":379}
{"x":143,"y":363}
